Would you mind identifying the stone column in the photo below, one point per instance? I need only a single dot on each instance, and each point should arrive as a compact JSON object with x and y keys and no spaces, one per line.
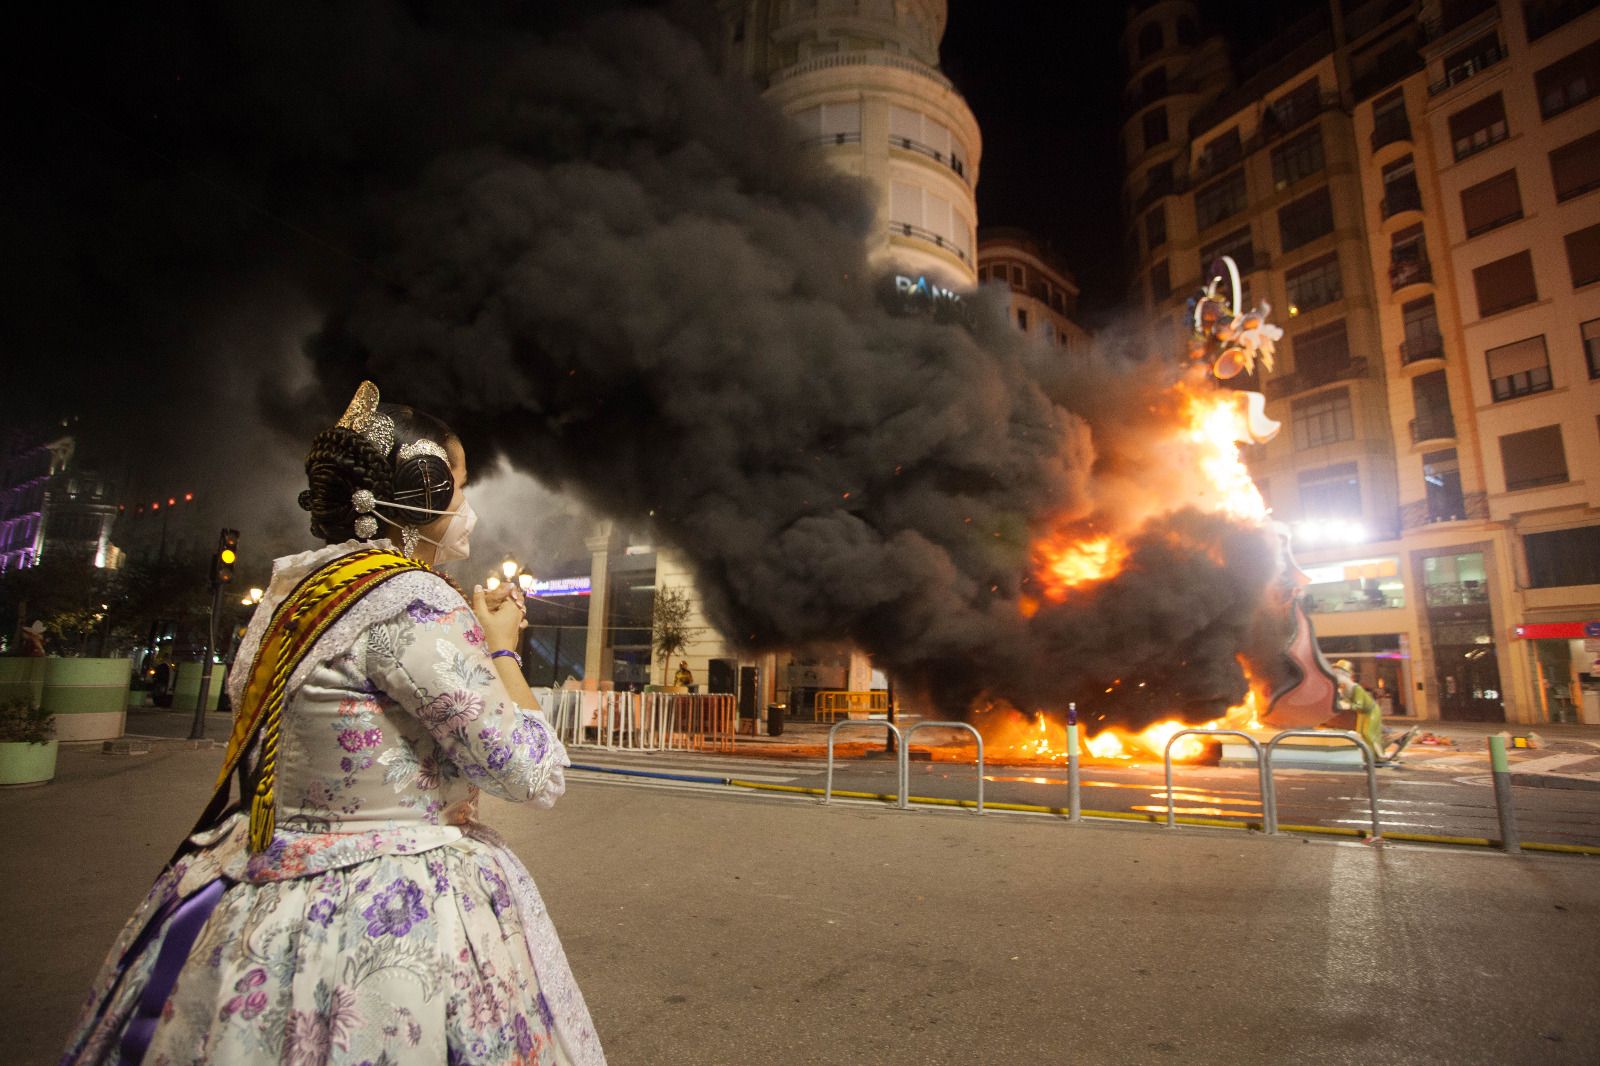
{"x":595,"y":657}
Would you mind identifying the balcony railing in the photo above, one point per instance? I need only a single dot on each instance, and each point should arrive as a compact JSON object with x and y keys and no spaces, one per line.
{"x":949,"y":159}
{"x":1391,"y":130}
{"x":1415,"y":351}
{"x":1433,"y":427}
{"x":1403,"y":272}
{"x":822,"y":139}
{"x":1472,"y":67}
{"x":1523,"y":383}
{"x":906,"y":229}
{"x":1315,"y":376}
{"x":1426,"y":512}
{"x":1405,"y":197}
{"x":870,"y":58}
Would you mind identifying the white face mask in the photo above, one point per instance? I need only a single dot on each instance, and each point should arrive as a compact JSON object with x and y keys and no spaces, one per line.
{"x":456,"y":541}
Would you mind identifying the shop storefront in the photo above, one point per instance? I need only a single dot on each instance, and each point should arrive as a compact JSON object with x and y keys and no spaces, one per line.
{"x":1565,"y":660}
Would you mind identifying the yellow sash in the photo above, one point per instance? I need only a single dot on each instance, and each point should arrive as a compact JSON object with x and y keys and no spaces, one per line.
{"x":300,"y":620}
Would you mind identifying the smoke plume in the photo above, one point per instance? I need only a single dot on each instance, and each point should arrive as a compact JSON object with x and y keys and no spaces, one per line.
{"x":611,"y":267}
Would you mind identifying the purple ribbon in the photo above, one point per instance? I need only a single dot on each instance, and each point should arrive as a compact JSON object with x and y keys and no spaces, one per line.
{"x":181,"y":930}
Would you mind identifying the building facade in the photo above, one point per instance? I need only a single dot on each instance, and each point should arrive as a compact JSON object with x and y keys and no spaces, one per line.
{"x":50,"y":505}
{"x":1043,"y":292}
{"x":1413,"y":186}
{"x":861,"y":80}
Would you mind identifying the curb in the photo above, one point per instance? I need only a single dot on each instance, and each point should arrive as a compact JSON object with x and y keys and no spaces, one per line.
{"x":1571,"y":781}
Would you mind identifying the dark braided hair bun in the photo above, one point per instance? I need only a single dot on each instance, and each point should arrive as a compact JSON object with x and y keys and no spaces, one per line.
{"x":340,"y":462}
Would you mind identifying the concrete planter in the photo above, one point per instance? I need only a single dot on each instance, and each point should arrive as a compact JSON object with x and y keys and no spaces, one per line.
{"x":27,"y":764}
{"x":187,"y":688}
{"x":89,"y":697}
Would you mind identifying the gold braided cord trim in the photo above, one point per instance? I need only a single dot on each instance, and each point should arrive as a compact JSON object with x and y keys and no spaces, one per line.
{"x":324,"y":607}
{"x":315,"y":604}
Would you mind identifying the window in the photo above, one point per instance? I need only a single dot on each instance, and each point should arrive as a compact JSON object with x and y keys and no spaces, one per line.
{"x":1330,"y":492}
{"x":1389,"y":122}
{"x":1322,"y":419}
{"x":1022,"y":319}
{"x":839,"y":123}
{"x":1430,"y":397}
{"x":916,"y":212}
{"x":927,"y":136}
{"x":1408,"y":258}
{"x":1564,"y":557}
{"x":1472,"y":129}
{"x":1153,"y":84}
{"x":1583,"y":255}
{"x":1299,"y":157}
{"x":1544,"y":16}
{"x":1568,"y":82}
{"x":1219,"y":200}
{"x":1155,"y":228}
{"x":1155,"y":127}
{"x":1463,"y":63}
{"x":1491,"y":204}
{"x":1400,"y":192}
{"x":1019,"y":276}
{"x":1305,"y":219}
{"x":1533,"y":458}
{"x":1441,"y":476}
{"x":1519,"y":368}
{"x":1322,"y":354}
{"x":1591,"y":346}
{"x":1187,"y":34}
{"x":1150,"y":40}
{"x":1576,"y":166}
{"x":1504,"y":284}
{"x":1160,"y":281}
{"x":1314,"y":285}
{"x":1158,"y":179}
{"x":1421,"y":324}
{"x":1221,"y":153}
{"x":1236,"y":244}
{"x":1298,"y":105}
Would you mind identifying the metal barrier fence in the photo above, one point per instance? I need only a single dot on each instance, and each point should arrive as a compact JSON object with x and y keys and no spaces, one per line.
{"x":1368,"y":757}
{"x":1268,"y":818}
{"x":901,"y":763}
{"x":905,"y":753}
{"x":648,"y":721}
{"x":834,"y":702}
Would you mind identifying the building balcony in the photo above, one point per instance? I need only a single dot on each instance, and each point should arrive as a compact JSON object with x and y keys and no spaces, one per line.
{"x":1402,"y":198}
{"x":1433,"y":427}
{"x":1390,"y":131}
{"x":1314,"y":377}
{"x":938,"y":156}
{"x":1407,"y":272}
{"x":1422,"y":349}
{"x":866,"y":58}
{"x":1445,"y":507}
{"x":1152,"y":193}
{"x":917,"y":233}
{"x":1469,"y":69}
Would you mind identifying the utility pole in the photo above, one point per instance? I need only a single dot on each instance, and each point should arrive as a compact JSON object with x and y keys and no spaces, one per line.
{"x":221,"y":576}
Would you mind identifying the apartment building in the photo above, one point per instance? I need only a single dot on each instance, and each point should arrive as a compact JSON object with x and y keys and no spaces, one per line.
{"x":1413,"y":187}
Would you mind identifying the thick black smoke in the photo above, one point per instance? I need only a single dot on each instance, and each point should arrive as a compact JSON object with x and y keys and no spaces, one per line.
{"x":610,"y":265}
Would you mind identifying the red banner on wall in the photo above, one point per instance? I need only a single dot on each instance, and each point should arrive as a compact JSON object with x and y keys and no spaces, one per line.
{"x":1558,"y":630}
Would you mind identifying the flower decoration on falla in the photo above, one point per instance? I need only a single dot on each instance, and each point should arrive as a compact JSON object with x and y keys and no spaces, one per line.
{"x":1232,"y":339}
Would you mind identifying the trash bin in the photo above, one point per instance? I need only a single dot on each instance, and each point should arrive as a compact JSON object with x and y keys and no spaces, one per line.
{"x":774,"y":719}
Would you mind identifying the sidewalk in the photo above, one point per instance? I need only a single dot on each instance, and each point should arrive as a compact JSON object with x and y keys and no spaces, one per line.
{"x":713,"y":930}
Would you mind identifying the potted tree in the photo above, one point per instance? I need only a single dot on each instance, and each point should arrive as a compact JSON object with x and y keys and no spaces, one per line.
{"x":27,"y":743}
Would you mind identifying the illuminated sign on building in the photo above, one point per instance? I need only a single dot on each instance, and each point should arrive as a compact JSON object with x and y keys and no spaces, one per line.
{"x":921,"y":287}
{"x":561,"y":586}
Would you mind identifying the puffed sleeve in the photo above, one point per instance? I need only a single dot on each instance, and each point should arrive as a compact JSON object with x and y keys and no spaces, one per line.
{"x":430,"y":659}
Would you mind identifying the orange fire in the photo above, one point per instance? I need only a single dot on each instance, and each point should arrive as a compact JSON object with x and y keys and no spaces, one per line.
{"x":1205,"y":453}
{"x":1009,"y":736}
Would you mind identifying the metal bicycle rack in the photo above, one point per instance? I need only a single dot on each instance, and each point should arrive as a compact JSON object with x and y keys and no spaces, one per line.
{"x":905,"y":754}
{"x":1367,"y":757}
{"x":1268,"y":814}
{"x":901,"y":762}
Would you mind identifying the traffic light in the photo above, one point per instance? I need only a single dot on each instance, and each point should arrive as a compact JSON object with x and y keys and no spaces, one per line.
{"x":227,"y":555}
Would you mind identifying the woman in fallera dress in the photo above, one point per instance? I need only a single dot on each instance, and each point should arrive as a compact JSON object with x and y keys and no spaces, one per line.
{"x":338,"y":903}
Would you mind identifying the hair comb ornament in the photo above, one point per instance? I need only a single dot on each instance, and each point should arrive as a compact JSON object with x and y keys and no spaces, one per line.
{"x":364,"y":418}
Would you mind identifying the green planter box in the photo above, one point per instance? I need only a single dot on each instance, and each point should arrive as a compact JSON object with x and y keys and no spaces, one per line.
{"x":187,"y":688}
{"x":89,"y":697}
{"x":27,"y":764}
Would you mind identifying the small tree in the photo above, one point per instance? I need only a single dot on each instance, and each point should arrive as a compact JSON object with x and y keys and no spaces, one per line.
{"x":669,"y":622}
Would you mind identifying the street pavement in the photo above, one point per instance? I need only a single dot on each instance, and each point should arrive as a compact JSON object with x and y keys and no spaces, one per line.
{"x":708,"y":925}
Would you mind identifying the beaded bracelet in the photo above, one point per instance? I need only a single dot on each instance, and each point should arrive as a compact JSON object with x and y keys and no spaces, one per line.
{"x":507,"y":653}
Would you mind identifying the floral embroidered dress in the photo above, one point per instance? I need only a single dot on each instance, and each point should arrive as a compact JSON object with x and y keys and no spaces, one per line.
{"x":383,"y":924}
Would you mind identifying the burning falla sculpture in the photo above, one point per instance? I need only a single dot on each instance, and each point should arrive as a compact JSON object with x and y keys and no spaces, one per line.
{"x":1233,"y":341}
